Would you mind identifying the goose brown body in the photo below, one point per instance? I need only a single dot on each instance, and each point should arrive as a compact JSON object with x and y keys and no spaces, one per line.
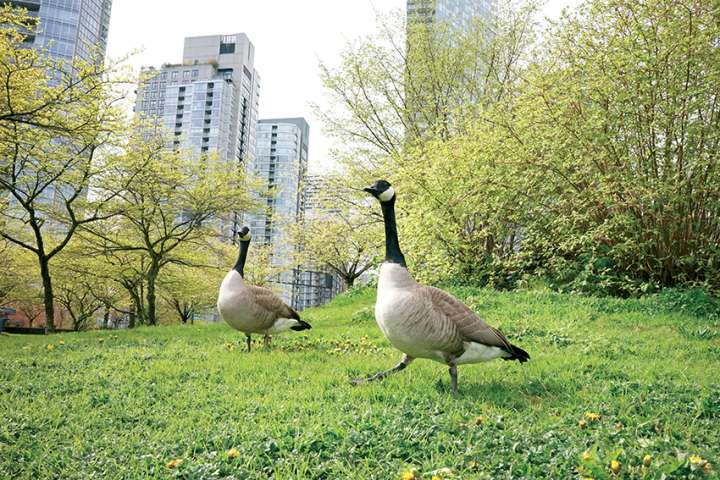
{"x":252,"y":309}
{"x":426,"y":322}
{"x":423,"y":321}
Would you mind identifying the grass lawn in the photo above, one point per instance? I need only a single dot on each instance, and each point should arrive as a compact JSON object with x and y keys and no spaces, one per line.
{"x":608,"y":380}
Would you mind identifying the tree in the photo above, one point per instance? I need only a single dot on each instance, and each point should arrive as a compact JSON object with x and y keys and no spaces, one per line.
{"x":56,"y":119}
{"x":410,"y":104}
{"x":348,"y":245}
{"x":167,"y":202}
{"x":621,"y":120}
{"x":416,"y":81}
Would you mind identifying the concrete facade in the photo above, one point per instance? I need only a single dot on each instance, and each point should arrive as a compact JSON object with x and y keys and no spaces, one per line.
{"x":280,"y":165}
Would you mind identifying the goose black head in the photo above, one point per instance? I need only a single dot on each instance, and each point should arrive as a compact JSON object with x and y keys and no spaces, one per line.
{"x":244,"y":234}
{"x":382,"y":190}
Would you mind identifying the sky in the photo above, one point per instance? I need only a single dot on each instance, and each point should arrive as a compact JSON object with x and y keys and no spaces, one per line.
{"x":291,"y":37}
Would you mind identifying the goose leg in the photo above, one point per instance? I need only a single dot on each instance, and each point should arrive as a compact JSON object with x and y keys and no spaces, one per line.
{"x":453,"y":378}
{"x":248,"y":341}
{"x":267,"y":340}
{"x":380,"y":375}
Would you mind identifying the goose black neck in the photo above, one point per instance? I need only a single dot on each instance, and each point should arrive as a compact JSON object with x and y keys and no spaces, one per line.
{"x":392,"y":245}
{"x":240,"y":264}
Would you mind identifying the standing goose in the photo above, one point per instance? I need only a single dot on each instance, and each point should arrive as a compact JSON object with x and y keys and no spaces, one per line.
{"x":252,"y":309}
{"x":426,"y":322}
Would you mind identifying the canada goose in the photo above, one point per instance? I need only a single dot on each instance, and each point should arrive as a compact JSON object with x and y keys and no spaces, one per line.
{"x":426,"y":322}
{"x":252,"y":309}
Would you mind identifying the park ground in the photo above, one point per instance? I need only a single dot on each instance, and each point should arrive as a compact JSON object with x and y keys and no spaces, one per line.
{"x":615,"y":389}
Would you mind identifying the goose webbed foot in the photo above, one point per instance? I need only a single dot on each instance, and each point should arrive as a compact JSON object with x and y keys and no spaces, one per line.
{"x":380,"y":375}
{"x":248,"y":340}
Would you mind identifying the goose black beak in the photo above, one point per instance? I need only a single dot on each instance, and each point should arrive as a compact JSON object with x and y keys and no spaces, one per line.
{"x":370,"y":190}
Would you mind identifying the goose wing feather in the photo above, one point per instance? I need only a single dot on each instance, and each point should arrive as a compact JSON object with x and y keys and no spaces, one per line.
{"x":272,"y":306}
{"x":471,"y":327}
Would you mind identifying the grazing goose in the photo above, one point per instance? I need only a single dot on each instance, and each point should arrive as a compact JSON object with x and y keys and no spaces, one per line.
{"x":252,"y":309}
{"x":426,"y":322}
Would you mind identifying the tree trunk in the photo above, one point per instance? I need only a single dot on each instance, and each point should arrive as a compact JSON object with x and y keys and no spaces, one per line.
{"x":47,"y":296}
{"x":106,"y":317}
{"x":151,"y":297}
{"x":349,"y":281}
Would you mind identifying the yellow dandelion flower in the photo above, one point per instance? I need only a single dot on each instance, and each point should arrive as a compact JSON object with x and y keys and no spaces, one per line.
{"x":61,"y":342}
{"x":479,"y":420}
{"x":582,"y":424}
{"x":586,"y":455}
{"x":435,"y":477}
{"x":592,"y":417}
{"x":50,"y":346}
{"x":233,"y":453}
{"x":174,"y":463}
{"x":619,"y":426}
{"x":647,"y":460}
{"x":695,"y":460}
{"x":473,"y":465}
{"x":409,"y":475}
{"x":615,"y":467}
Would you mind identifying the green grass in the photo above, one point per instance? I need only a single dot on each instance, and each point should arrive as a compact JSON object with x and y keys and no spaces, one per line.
{"x":123,"y":404}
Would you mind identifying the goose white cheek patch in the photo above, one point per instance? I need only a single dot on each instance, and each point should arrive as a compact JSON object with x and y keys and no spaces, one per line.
{"x":386,"y":195}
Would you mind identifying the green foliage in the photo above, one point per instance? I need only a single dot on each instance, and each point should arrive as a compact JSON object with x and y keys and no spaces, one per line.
{"x":123,"y":404}
{"x":589,"y":158}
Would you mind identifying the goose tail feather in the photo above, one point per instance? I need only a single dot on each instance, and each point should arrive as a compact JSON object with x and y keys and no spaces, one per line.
{"x":517,"y":353}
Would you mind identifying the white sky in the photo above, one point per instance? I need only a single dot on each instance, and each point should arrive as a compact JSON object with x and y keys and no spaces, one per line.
{"x":290,"y":38}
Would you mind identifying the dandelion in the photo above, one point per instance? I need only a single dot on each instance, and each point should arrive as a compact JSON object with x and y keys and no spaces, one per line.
{"x":615,"y":467}
{"x":582,"y":424}
{"x":647,"y":460}
{"x":592,"y":417}
{"x":707,"y":467}
{"x":230,"y":347}
{"x":174,"y":463}
{"x":586,"y":456}
{"x":61,"y":342}
{"x":50,"y":346}
{"x":233,"y":453}
{"x":409,"y":475}
{"x":473,"y":465}
{"x":695,"y":460}
{"x":435,"y":477}
{"x":479,"y":420}
{"x":619,"y":426}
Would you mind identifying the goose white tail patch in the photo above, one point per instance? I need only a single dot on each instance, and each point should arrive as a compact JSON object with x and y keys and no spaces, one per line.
{"x":477,"y":352}
{"x":283,"y":324}
{"x":387,"y":195}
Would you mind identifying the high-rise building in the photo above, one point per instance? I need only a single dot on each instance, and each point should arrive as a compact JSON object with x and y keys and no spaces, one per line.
{"x":209,"y":102}
{"x":316,"y":284}
{"x":69,"y":28}
{"x":280,"y":164}
{"x":458,"y":13}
